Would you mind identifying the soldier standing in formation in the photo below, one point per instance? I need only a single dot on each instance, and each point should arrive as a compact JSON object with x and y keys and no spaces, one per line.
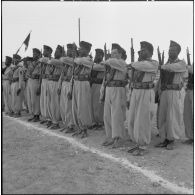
{"x":53,"y":98}
{"x":170,"y":117}
{"x":142,"y":99}
{"x":115,"y":97}
{"x":47,"y":51}
{"x":97,"y":76}
{"x":17,"y":88}
{"x":189,"y":107}
{"x":33,"y":92}
{"x":86,"y":94}
{"x":81,"y":95}
{"x":64,"y":88}
{"x":7,"y":78}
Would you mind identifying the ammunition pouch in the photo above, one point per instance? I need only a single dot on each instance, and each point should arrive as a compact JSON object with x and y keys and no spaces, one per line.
{"x":172,"y":87}
{"x":54,"y":77}
{"x":117,"y":83}
{"x":145,"y":85}
{"x":190,"y":86}
{"x":66,"y":78}
{"x":82,"y":77}
{"x":15,"y":80}
{"x":97,"y":80}
{"x":35,"y":76}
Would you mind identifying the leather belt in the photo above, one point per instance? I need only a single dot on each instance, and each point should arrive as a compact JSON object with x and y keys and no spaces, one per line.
{"x":116,"y":83}
{"x":190,"y":86}
{"x":82,"y":77}
{"x":35,"y":76}
{"x":141,"y":85}
{"x":66,"y":78}
{"x":54,"y":77}
{"x":97,"y":80}
{"x":15,"y":80}
{"x":172,"y":87}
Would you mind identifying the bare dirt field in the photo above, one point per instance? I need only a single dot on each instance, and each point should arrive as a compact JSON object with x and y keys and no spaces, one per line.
{"x":35,"y":163}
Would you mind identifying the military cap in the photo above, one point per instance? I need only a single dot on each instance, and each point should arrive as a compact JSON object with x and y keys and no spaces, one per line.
{"x":8,"y":59}
{"x":16,"y":56}
{"x":47,"y":48}
{"x":147,"y":45}
{"x":117,"y":46}
{"x":36,"y":50}
{"x":173,"y":43}
{"x":99,"y":51}
{"x":59,"y":47}
{"x":85,"y":45}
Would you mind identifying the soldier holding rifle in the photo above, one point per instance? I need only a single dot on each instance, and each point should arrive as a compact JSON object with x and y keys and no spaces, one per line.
{"x":33,"y":75}
{"x":81,"y":95}
{"x":17,"y":88}
{"x":115,"y":97}
{"x":65,"y":86}
{"x":97,"y":75}
{"x":142,"y":99}
{"x":170,"y":118}
{"x":188,"y":113}
{"x":52,"y":96}
{"x":7,"y":78}
{"x":43,"y":81}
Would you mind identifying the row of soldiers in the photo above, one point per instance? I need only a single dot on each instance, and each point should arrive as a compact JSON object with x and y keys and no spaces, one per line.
{"x":86,"y":94}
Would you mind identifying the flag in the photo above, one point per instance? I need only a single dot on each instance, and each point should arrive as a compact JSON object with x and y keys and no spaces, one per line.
{"x":26,"y":41}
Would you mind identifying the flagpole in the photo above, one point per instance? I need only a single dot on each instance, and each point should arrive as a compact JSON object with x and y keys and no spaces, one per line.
{"x":22,"y":43}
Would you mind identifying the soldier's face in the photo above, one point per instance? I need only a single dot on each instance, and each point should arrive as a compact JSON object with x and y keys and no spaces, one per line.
{"x":173,"y":52}
{"x":83,"y":52}
{"x":35,"y":55}
{"x":46,"y":53}
{"x":7,"y":62}
{"x":115,"y":54}
{"x":98,"y":58}
{"x":143,"y":54}
{"x":58,"y":54}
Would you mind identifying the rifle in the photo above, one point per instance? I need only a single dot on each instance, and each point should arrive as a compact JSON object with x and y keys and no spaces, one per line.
{"x":103,"y":95}
{"x":73,"y":71}
{"x":188,"y":56}
{"x":163,"y":57}
{"x":132,"y":51}
{"x":161,"y":62}
{"x":105,"y":52}
{"x":159,"y":56}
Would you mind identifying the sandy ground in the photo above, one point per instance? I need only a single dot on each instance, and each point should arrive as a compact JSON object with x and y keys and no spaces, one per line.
{"x":36,"y":163}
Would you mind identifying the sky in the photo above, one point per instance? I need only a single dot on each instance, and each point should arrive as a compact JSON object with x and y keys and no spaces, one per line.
{"x":54,"y":23}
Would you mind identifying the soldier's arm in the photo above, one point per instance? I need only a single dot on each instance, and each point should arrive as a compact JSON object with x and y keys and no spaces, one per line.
{"x":146,"y":66}
{"x":175,"y":67}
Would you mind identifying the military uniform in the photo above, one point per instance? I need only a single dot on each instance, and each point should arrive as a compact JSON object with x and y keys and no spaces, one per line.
{"x":170,"y":116}
{"x":81,"y":100}
{"x":7,"y":78}
{"x":52,"y":95}
{"x":16,"y":86}
{"x":97,"y":76}
{"x":188,"y":113}
{"x":33,"y":88}
{"x":45,"y":72}
{"x":115,"y":99}
{"x":141,"y":101}
{"x":65,"y":87}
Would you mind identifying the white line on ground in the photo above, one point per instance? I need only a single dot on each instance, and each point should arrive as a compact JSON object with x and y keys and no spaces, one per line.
{"x":123,"y":161}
